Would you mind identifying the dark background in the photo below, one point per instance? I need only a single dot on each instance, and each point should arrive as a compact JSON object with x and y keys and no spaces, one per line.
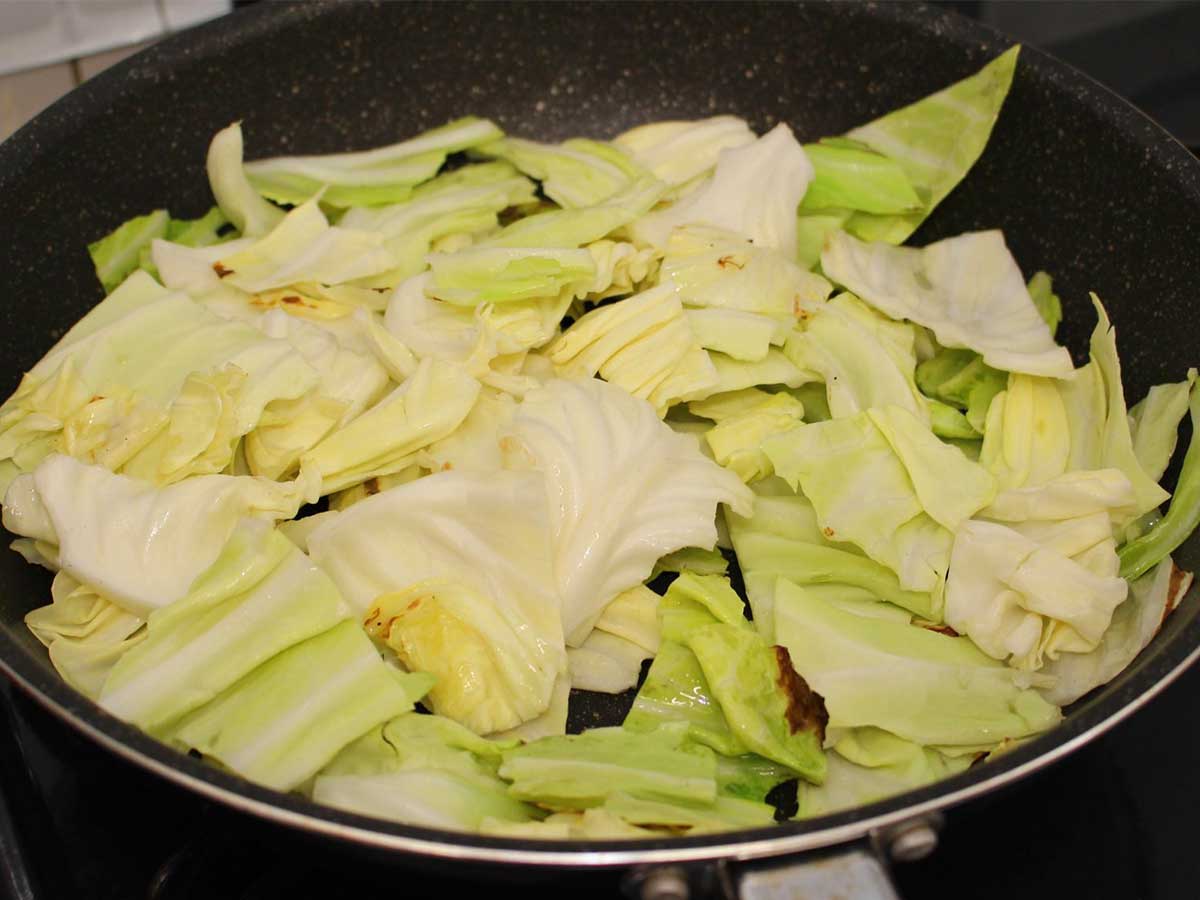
{"x":1148,"y":51}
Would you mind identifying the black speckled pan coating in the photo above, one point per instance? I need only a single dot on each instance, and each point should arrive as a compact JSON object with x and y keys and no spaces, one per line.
{"x":1083,"y":185}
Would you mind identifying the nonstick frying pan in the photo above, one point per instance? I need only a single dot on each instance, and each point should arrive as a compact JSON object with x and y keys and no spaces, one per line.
{"x":1083,"y":185}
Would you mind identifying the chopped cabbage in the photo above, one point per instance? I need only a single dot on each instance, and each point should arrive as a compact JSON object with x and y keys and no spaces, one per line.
{"x":546,"y":394}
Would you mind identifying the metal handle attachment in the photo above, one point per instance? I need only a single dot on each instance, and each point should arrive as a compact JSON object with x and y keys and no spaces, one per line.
{"x":858,"y":870}
{"x":854,"y":871}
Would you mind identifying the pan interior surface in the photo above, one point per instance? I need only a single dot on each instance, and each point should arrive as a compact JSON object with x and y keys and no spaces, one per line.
{"x":1083,"y":186}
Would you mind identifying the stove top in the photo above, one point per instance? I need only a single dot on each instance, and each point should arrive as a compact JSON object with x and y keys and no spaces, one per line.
{"x":1114,"y":820}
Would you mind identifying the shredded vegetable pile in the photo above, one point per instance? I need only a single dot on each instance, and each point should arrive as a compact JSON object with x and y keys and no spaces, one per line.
{"x":348,"y":483}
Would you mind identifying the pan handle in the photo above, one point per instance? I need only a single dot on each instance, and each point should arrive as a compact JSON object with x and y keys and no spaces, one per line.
{"x":859,"y":869}
{"x":856,"y":870}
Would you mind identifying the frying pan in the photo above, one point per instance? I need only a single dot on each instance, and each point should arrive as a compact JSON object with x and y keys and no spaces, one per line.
{"x":1083,"y":185}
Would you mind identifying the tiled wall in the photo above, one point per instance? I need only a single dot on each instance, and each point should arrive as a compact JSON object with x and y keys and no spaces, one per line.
{"x":48,"y":47}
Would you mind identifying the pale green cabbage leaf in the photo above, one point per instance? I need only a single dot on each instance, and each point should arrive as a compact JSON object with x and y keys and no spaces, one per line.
{"x":623,"y":490}
{"x":423,"y":770}
{"x":237,"y":199}
{"x":305,"y":247}
{"x":1019,"y":598}
{"x":371,"y":177}
{"x":573,"y":174}
{"x":925,"y":687}
{"x":1154,"y":424}
{"x":784,"y":538}
{"x":119,"y":253}
{"x":260,"y":597}
{"x":140,"y":546}
{"x":744,"y":419}
{"x":754,"y":192}
{"x":454,"y":571}
{"x":1151,"y":599}
{"x":716,"y":268}
{"x":935,"y":141}
{"x":578,"y":771}
{"x":869,"y":764}
{"x":865,"y":359}
{"x":850,"y":175}
{"x":287,"y":718}
{"x":464,"y":201}
{"x":882,"y":481}
{"x":384,"y":439}
{"x":678,"y":152}
{"x":967,"y":289}
{"x":643,"y":344}
{"x":84,"y":633}
{"x":105,"y":391}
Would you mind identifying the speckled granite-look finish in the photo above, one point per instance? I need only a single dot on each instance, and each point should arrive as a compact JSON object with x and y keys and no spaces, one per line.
{"x":1083,"y":185}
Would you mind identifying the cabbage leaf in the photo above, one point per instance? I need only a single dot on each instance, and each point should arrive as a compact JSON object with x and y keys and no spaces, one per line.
{"x":578,"y":771}
{"x":259,"y":598}
{"x":427,"y":407}
{"x":371,"y":177}
{"x":935,"y":141}
{"x":680,"y":152}
{"x":1151,"y":599}
{"x":137,"y":545}
{"x":454,"y":572}
{"x":967,"y":289}
{"x":882,"y":481}
{"x":237,"y":199}
{"x":925,"y":687}
{"x":869,"y":764}
{"x":865,"y":359}
{"x":286,"y":719}
{"x":84,"y":632}
{"x":575,"y":173}
{"x":784,"y":538}
{"x":423,"y":770}
{"x":643,"y":344}
{"x":623,"y":490}
{"x":754,"y":192}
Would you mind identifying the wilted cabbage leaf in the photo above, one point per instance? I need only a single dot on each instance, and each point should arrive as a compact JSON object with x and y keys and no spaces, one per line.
{"x":370,"y":177}
{"x":454,"y":572}
{"x":928,"y":688}
{"x":85,"y":633}
{"x":284,"y":720}
{"x":137,"y":545}
{"x":260,"y":597}
{"x":423,"y":770}
{"x":754,"y":192}
{"x":573,"y":174}
{"x":679,"y":152}
{"x":883,"y":482}
{"x":623,"y":489}
{"x":967,"y":289}
{"x":577,"y":771}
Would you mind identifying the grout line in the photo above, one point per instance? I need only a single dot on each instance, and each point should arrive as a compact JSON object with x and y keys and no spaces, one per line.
{"x":163,"y":22}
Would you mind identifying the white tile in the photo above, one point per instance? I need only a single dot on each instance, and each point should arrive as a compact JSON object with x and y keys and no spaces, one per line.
{"x":24,"y":94}
{"x":36,"y":32}
{"x":102,"y":24}
{"x":180,"y":14}
{"x":90,"y":66}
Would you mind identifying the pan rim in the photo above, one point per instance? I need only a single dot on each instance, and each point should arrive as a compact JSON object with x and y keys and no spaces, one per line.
{"x":1150,"y":678}
{"x":451,"y":846}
